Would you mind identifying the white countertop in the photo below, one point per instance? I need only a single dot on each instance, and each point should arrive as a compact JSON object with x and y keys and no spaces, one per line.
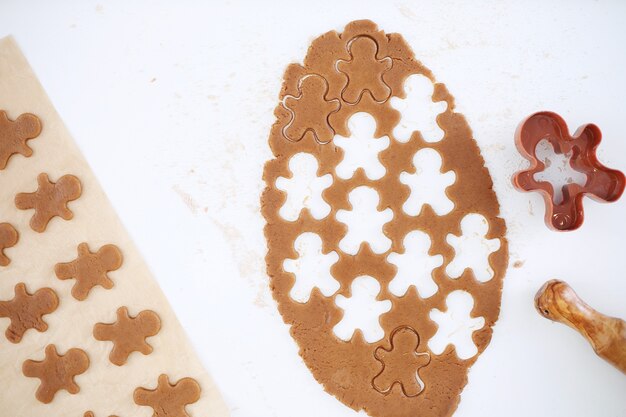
{"x":172,"y":102}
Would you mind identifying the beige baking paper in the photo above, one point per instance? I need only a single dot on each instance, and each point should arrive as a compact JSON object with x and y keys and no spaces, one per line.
{"x":105,"y":389}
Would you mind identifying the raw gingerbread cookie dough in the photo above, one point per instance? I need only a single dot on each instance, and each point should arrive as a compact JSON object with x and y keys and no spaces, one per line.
{"x":8,"y":239}
{"x":395,"y":373}
{"x":83,"y":324}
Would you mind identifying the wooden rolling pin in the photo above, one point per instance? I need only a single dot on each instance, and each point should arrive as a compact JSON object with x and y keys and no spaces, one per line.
{"x":557,"y":301}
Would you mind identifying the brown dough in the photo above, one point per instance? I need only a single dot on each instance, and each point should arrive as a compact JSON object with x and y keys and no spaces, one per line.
{"x":50,"y":200}
{"x":310,"y":111}
{"x":364,"y":72}
{"x":401,"y":362}
{"x":128,"y":334}
{"x":15,"y":134}
{"x":90,"y":269}
{"x":8,"y":239}
{"x":169,"y":400}
{"x":26,"y":311}
{"x":347,"y":369}
{"x":56,"y":372}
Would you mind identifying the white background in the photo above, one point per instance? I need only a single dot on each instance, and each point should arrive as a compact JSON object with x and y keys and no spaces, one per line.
{"x":172,"y":102}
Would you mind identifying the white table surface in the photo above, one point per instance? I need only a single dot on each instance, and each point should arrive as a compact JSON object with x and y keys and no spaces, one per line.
{"x":172,"y":102}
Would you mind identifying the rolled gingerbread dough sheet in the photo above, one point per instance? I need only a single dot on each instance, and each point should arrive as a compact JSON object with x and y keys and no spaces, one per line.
{"x":88,"y":263}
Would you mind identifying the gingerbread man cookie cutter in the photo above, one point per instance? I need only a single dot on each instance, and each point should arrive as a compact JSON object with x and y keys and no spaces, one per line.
{"x":602,"y":183}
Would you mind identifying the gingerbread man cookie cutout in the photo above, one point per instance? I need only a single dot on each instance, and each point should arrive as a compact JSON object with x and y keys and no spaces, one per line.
{"x":15,"y":134}
{"x":50,"y":200}
{"x":26,"y":311}
{"x":8,"y":239}
{"x":310,"y":111}
{"x":56,"y":372}
{"x":401,"y":363}
{"x":128,"y":334}
{"x":169,"y":400}
{"x":90,"y":269}
{"x":364,"y":72}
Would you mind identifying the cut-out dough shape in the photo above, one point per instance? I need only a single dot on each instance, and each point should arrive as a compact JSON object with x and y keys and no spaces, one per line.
{"x":50,"y":200}
{"x":364,"y":71}
{"x":419,"y":112}
{"x":365,"y":222}
{"x":456,"y":326}
{"x":401,"y":363}
{"x":311,"y":269}
{"x":361,"y":311}
{"x":558,"y":170}
{"x":15,"y":134}
{"x":415,"y":266}
{"x":56,"y":372}
{"x":90,"y":269}
{"x":8,"y":239}
{"x":304,"y":188}
{"x":26,"y":311}
{"x":128,"y":334}
{"x":428,"y":184}
{"x":361,"y":148}
{"x":169,"y":400}
{"x":310,"y":111}
{"x":472,"y":249}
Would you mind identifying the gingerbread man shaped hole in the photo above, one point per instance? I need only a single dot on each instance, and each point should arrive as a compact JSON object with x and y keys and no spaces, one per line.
{"x":304,"y":188}
{"x":456,"y":325}
{"x":428,"y":184}
{"x":362,"y":311}
{"x":472,"y":249}
{"x":419,"y":112}
{"x":361,"y":149}
{"x":414,"y":266}
{"x":365,"y":222}
{"x":311,"y":269}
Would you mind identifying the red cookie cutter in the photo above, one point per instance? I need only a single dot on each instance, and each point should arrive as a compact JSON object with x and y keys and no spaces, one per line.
{"x":602,"y":184}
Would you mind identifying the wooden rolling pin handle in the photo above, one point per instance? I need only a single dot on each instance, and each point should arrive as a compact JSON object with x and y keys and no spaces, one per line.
{"x":557,"y":301}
